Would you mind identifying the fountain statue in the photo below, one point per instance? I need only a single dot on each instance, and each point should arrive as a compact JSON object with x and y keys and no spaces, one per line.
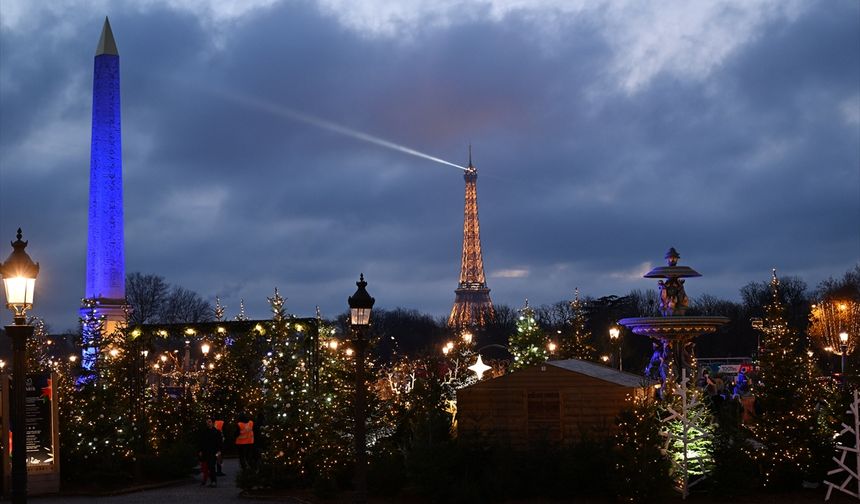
{"x":674,"y":332}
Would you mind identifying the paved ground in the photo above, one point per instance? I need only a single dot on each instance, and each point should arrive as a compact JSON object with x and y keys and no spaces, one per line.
{"x":188,"y":493}
{"x":226,"y":492}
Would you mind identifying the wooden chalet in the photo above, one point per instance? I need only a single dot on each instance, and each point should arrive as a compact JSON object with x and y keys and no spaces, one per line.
{"x":555,"y":402}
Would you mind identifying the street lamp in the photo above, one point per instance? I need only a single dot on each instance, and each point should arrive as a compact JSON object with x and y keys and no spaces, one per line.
{"x":360,"y":305}
{"x":615,"y":337}
{"x":19,"y":280}
{"x":758,"y":325}
{"x":843,"y":345}
{"x":204,"y":347}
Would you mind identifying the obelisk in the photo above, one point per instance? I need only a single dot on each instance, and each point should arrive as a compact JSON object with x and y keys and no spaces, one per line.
{"x":105,"y":244}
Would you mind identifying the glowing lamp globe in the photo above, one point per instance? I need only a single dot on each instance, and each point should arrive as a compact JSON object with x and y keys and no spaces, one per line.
{"x":843,"y":338}
{"x":614,"y":332}
{"x":19,"y":278}
{"x":360,"y":305}
{"x":205,"y":348}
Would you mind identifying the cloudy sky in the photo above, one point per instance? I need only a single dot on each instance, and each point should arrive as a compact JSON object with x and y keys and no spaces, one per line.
{"x":604,"y":132}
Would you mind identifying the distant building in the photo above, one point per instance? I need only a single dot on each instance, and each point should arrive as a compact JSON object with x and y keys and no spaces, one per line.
{"x":556,"y":402}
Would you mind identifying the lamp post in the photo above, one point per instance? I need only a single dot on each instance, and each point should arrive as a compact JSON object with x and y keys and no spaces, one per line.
{"x":360,"y":305}
{"x":204,"y":348}
{"x":843,"y":345}
{"x":758,"y":325}
{"x":615,"y":337}
{"x":19,"y":279}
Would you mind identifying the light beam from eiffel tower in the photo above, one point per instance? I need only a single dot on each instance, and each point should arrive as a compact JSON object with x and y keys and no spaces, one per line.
{"x":324,"y":124}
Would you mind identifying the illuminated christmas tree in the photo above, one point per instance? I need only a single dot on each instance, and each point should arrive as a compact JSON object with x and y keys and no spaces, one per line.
{"x":788,"y":427}
{"x":307,"y":399}
{"x":641,"y":469}
{"x":92,"y":326}
{"x":577,"y":344}
{"x":528,"y":344}
{"x":39,"y":348}
{"x":333,"y":404}
{"x":285,"y":393}
{"x":100,"y":422}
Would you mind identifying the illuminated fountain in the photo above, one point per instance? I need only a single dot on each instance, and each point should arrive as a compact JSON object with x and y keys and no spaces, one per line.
{"x":673,"y":332}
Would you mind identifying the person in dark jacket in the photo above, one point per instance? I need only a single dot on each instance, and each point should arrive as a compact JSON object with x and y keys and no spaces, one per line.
{"x":210,"y":448}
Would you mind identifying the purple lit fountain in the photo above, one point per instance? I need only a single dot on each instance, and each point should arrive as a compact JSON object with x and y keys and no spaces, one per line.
{"x":672,"y":333}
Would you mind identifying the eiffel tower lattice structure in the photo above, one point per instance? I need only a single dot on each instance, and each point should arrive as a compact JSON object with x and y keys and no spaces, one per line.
{"x":472,"y":305}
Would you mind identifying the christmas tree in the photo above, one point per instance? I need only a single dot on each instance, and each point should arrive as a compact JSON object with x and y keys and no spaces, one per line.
{"x":528,"y":344}
{"x":308,"y":396}
{"x":577,"y":345}
{"x":641,"y":470}
{"x":788,"y":428}
{"x":100,"y":422}
{"x":286,"y":394}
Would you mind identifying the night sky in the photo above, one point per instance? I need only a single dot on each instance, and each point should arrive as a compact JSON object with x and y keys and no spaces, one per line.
{"x":604,"y":132}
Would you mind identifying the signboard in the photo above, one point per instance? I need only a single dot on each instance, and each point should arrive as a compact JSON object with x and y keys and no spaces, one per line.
{"x":729,"y":369}
{"x":39,"y":422}
{"x":41,"y":432}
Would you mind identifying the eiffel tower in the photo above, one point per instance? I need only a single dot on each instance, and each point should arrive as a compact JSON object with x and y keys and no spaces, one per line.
{"x":472,"y":304}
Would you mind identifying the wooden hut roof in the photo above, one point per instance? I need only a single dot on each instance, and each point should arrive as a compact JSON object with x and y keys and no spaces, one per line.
{"x":602,"y":372}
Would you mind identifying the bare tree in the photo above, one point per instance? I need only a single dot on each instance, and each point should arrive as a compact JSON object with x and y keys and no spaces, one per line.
{"x":646,"y":303}
{"x":183,"y":305}
{"x":145,"y":295}
{"x":848,"y":287}
{"x":554,"y":316}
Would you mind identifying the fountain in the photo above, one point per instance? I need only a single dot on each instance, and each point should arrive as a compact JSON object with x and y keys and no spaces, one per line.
{"x":673,"y":332}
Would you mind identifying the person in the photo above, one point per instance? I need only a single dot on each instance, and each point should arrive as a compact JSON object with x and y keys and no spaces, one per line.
{"x":742,"y":387}
{"x":245,"y":441}
{"x":210,"y":449}
{"x":219,"y":425}
{"x":709,"y":385}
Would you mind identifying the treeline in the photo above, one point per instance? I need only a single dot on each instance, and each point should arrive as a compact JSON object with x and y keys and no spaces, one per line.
{"x":408,"y":331}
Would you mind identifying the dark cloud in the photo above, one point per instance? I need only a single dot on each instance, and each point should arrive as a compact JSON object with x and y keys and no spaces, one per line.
{"x":582,"y":180}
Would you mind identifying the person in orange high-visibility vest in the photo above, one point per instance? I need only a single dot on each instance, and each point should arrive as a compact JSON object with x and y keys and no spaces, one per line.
{"x":245,"y":441}
{"x":219,"y":424}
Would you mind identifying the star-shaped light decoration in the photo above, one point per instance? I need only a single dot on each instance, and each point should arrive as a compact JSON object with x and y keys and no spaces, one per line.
{"x":479,"y":367}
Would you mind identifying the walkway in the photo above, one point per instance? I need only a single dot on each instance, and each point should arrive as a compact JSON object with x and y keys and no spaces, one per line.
{"x":184,"y":493}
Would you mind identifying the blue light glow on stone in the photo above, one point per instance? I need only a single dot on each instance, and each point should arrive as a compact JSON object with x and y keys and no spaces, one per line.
{"x":105,"y":247}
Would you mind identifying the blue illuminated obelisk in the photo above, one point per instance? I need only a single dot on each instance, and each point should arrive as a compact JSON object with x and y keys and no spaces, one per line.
{"x":105,"y":245}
